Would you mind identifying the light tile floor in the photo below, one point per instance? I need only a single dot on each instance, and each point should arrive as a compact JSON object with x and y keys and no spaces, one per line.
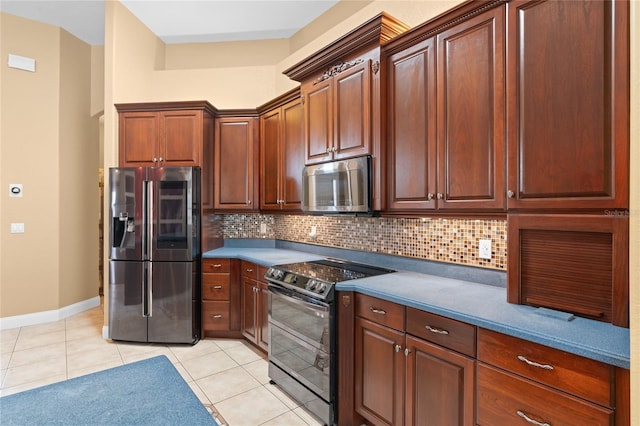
{"x":230,"y":375}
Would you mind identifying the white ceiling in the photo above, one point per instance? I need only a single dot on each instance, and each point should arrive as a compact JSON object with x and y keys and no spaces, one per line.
{"x":179,"y":21}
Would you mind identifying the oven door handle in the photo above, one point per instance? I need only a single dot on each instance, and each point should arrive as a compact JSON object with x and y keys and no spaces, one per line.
{"x":291,"y":295}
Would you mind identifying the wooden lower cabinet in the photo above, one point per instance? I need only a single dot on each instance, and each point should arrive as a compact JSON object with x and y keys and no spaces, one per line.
{"x":220,"y":298}
{"x":404,"y":380}
{"x":507,"y":399}
{"x":412,"y":368}
{"x":439,"y":385}
{"x":522,"y":382}
{"x":255,"y":305}
{"x":379,"y":373}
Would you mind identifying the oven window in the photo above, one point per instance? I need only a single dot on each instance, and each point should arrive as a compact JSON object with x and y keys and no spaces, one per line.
{"x":309,"y":322}
{"x":308,"y":364}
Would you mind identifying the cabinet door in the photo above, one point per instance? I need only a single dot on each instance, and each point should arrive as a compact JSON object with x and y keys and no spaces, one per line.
{"x":138,"y":137}
{"x":235,"y":162}
{"x":412,"y":128}
{"x":352,"y":115}
{"x":262,"y":317}
{"x":249,"y":310}
{"x":181,"y":138}
{"x":440,"y":386}
{"x":471,"y":109}
{"x":270,"y":160}
{"x":293,"y":157}
{"x":379,"y":373}
{"x":318,"y":120}
{"x":568,"y":131}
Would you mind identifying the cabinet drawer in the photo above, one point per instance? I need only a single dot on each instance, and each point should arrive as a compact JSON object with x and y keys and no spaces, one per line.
{"x":505,"y":399}
{"x":261,"y":271}
{"x":215,"y":286}
{"x":215,"y":315}
{"x":215,"y":265}
{"x":451,"y":334}
{"x":249,"y":270}
{"x":381,"y":311}
{"x":577,"y":375}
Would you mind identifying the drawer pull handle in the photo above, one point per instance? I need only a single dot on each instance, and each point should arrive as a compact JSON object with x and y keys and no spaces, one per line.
{"x":436,"y":330}
{"x":217,"y":316}
{"x":249,"y":270}
{"x":535,"y":364}
{"x":530,"y":420}
{"x":377,"y":311}
{"x":217,"y":265}
{"x":216,"y":287}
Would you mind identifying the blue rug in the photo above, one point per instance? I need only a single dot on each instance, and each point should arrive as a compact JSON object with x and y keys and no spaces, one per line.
{"x":149,"y":392}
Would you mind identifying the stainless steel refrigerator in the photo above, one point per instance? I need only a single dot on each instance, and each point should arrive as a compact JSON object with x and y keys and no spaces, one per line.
{"x":154,"y":277}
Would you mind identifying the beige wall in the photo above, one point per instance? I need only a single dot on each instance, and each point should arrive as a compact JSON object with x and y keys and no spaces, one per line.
{"x":49,"y":144}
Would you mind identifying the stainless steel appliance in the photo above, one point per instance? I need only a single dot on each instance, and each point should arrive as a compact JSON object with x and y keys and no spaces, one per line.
{"x":302,"y":329}
{"x":154,"y":287}
{"x":342,"y":186}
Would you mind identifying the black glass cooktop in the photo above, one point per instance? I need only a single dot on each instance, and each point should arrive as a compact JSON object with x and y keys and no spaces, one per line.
{"x":333,"y":270}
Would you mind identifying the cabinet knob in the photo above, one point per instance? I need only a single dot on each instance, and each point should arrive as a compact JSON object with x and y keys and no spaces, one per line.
{"x":407,"y":351}
{"x":397,"y":348}
{"x":440,"y":196}
{"x":430,"y":196}
{"x":154,"y":159}
{"x":248,"y":202}
{"x":161,"y":159}
{"x":510,"y":194}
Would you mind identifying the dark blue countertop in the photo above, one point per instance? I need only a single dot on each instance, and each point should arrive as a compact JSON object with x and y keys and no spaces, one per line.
{"x":482,"y":304}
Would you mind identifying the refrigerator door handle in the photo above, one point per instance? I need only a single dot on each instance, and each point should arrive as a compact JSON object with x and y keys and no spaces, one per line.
{"x":145,"y":291}
{"x":149,"y":220}
{"x":145,"y":218}
{"x":150,"y":291}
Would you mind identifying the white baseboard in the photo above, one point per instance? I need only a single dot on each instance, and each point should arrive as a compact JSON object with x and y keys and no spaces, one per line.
{"x":48,"y":316}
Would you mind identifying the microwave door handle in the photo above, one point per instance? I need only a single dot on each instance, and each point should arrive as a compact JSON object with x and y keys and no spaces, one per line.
{"x":349,"y":189}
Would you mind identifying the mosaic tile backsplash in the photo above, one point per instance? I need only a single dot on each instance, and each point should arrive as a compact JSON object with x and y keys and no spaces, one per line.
{"x":440,"y":239}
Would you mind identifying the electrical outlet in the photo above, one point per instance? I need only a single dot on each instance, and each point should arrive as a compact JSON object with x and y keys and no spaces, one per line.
{"x":263,"y":228}
{"x":17,"y":228}
{"x":484,"y":249}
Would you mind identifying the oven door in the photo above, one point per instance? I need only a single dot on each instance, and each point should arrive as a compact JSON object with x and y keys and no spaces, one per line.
{"x":300,"y":338}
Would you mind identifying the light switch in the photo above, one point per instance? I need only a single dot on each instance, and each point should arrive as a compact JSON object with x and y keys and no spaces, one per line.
{"x":17,"y":228}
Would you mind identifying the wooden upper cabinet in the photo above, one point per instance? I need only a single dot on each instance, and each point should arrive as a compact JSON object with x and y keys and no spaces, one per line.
{"x":446,"y":120}
{"x":282,"y":157}
{"x":471,"y":111}
{"x":411,"y":155}
{"x":138,"y":138}
{"x":338,"y":112}
{"x":163,"y":134}
{"x":352,"y":113}
{"x":182,"y":132}
{"x":343,"y":91}
{"x":169,"y":134}
{"x":236,"y":161}
{"x":318,"y":119}
{"x":568,"y":113}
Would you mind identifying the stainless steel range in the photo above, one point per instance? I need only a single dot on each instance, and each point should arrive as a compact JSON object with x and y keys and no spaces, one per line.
{"x":302,"y":329}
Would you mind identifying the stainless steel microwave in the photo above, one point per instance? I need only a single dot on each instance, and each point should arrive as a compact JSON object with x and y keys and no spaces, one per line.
{"x":342,"y":186}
